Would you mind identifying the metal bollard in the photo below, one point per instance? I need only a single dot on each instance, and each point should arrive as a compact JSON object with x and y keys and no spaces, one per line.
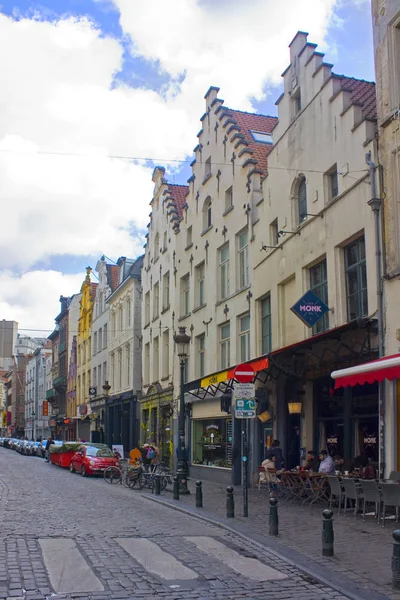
{"x":199,"y":494}
{"x":176,"y":487}
{"x":157,"y":485}
{"x":273,"y":517}
{"x":396,"y":560}
{"x":230,"y":503}
{"x":327,"y":533}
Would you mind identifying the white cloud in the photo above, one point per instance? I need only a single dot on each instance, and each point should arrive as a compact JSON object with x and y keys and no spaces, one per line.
{"x":33,"y":298}
{"x":58,"y":94}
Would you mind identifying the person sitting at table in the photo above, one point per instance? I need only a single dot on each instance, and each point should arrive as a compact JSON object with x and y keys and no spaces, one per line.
{"x":312,"y":462}
{"x":361,"y":461}
{"x":343,"y":465}
{"x":327,"y":464}
{"x":277,"y":452}
{"x":368,"y":472}
{"x":269,"y":465}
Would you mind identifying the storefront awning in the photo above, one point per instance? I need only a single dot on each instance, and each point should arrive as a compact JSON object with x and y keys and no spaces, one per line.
{"x":387,"y":367}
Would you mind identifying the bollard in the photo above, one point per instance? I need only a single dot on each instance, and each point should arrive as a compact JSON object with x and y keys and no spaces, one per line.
{"x":327,"y":533}
{"x":230,"y":503}
{"x":176,"y":487}
{"x":396,"y":560}
{"x":199,"y":494}
{"x":157,"y":485}
{"x":273,"y":517}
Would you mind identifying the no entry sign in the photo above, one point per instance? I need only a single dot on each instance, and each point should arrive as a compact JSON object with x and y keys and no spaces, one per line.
{"x":244,"y":373}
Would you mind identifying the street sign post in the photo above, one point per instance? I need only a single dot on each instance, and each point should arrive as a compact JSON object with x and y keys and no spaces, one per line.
{"x":244,"y":398}
{"x":310,"y":309}
{"x":244,"y":373}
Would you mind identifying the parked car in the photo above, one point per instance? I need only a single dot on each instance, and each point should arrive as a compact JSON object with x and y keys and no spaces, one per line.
{"x":34,"y":448}
{"x":92,"y":459}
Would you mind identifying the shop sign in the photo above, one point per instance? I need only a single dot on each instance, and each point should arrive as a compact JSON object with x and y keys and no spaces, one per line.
{"x":45,"y":408}
{"x":52,"y":422}
{"x":310,"y":309}
{"x":92,"y":391}
{"x":244,"y":399}
{"x":83,"y":410}
{"x":97,"y":403}
{"x":370,"y":440}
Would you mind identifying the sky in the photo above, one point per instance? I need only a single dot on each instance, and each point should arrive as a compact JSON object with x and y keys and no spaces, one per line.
{"x":95,"y":93}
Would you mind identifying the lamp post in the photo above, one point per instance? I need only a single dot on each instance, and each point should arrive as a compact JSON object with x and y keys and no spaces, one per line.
{"x":182,"y":340}
{"x":33,"y":425}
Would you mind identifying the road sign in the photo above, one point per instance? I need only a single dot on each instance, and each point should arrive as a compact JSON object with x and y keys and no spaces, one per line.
{"x":310,"y":308}
{"x":244,"y":373}
{"x":244,"y":400}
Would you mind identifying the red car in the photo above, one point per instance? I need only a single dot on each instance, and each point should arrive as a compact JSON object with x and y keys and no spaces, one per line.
{"x":92,"y":459}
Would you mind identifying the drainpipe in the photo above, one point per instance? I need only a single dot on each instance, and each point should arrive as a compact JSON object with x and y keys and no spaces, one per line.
{"x":376,"y":205}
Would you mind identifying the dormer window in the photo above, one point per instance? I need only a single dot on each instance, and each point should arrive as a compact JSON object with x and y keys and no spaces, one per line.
{"x":262,"y":138}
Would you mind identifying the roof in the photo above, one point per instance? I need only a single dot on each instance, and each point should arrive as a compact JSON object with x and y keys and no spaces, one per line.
{"x":136,"y":268}
{"x":178,"y":194}
{"x":112,"y":276}
{"x":248,"y":122}
{"x":93,"y":290}
{"x":362,"y":93}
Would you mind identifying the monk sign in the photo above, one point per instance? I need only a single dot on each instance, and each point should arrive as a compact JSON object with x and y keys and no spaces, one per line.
{"x":310,"y":308}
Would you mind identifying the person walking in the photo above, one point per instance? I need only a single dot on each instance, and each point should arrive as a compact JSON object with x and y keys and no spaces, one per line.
{"x":49,"y":442}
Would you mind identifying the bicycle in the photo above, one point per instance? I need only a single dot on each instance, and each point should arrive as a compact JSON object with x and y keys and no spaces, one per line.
{"x":144,"y":476}
{"x":118,"y":473}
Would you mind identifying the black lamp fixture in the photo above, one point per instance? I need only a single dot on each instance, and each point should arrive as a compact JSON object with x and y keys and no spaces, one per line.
{"x":303,"y":216}
{"x":266,"y":247}
{"x":283,"y":232}
{"x":182,"y":341}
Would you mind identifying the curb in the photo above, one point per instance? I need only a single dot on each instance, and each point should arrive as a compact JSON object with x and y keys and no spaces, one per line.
{"x":308,"y":566}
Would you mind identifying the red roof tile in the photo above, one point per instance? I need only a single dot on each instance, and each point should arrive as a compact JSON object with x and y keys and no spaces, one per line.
{"x":178,"y":193}
{"x":112,"y":276}
{"x":248,"y":122}
{"x":363,"y":93}
{"x":93,"y":290}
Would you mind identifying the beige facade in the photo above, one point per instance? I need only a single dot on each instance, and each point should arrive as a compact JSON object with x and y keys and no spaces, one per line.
{"x":274,"y":207}
{"x":386,"y":30}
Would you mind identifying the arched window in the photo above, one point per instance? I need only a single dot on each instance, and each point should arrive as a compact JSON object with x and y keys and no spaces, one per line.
{"x":207,"y":222}
{"x":302,"y":200}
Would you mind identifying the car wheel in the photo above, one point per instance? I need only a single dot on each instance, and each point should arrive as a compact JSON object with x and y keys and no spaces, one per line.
{"x":83,"y":471}
{"x":71,"y":467}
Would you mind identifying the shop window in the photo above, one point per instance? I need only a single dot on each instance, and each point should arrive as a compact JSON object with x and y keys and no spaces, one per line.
{"x":356,"y":279}
{"x":166,"y":290}
{"x":244,"y":337}
{"x":212,"y":442}
{"x":243,"y":258}
{"x":319,"y":285}
{"x":225,"y":345}
{"x":200,"y":284}
{"x":266,"y":333}
{"x":224,"y":281}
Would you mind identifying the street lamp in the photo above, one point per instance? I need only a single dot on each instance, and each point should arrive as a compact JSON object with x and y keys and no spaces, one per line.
{"x":182,"y":341}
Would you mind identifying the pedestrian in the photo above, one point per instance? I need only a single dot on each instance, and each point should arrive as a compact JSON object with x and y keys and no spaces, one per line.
{"x":49,"y":442}
{"x":276,"y":451}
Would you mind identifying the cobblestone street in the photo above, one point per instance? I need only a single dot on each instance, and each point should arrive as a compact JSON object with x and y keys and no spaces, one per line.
{"x":63,"y":536}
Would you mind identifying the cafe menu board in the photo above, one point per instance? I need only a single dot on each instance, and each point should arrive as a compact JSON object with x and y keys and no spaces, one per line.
{"x":229,"y":442}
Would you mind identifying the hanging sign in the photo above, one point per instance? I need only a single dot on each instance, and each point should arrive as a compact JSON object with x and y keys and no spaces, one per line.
{"x":310,"y":309}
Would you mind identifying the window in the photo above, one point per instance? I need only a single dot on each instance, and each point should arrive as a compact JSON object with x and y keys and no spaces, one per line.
{"x":185,"y":295}
{"x":244,"y":337}
{"x":395,"y":65}
{"x":156,"y":300}
{"x":128,"y":365}
{"x":119,"y":380}
{"x":224,"y":282}
{"x":243,"y":251}
{"x":165,"y":242}
{"x":266,"y":333}
{"x":228,"y":198}
{"x":104,"y":373}
{"x":201,"y":349}
{"x":200,"y":284}
{"x":333,"y":184}
{"x":302,"y":200}
{"x":147,"y":308}
{"x":156,"y":358}
{"x":356,"y":279}
{"x":94,"y":376}
{"x":121,"y":320}
{"x":99,"y":381}
{"x":114,"y":324}
{"x":296,"y":99}
{"x":112,"y":373}
{"x":189,"y":241}
{"x":319,"y":285}
{"x":207,"y":168}
{"x":147,"y":363}
{"x":225,"y":345}
{"x":105,"y":336}
{"x":129,"y":312}
{"x":95,"y":342}
{"x":273,"y":233}
{"x":165,"y":338}
{"x":207,"y":222}
{"x":166,"y":291}
{"x":212,"y":442}
{"x":262,"y":138}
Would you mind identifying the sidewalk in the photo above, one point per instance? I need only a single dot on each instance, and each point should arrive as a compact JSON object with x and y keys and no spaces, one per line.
{"x":363,"y":550}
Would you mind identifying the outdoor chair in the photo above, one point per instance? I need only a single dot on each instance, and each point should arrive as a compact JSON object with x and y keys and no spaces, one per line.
{"x":371,"y":493}
{"x":390,"y":497}
{"x":316,"y":488}
{"x":394,"y":476}
{"x":351,"y":492}
{"x":336,"y":491}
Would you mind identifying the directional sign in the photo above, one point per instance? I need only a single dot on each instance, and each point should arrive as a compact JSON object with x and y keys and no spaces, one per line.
{"x":244,"y":400}
{"x":310,"y":308}
{"x":244,"y":373}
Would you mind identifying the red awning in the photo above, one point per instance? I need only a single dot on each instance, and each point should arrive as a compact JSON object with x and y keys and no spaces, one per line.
{"x":387,"y":367}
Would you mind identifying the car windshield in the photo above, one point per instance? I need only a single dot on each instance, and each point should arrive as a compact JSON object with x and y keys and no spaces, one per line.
{"x":99,"y":452}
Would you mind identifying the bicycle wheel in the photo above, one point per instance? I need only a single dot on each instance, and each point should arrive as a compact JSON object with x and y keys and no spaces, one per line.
{"x":112,"y":475}
{"x":163,"y":482}
{"x":132,"y":478}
